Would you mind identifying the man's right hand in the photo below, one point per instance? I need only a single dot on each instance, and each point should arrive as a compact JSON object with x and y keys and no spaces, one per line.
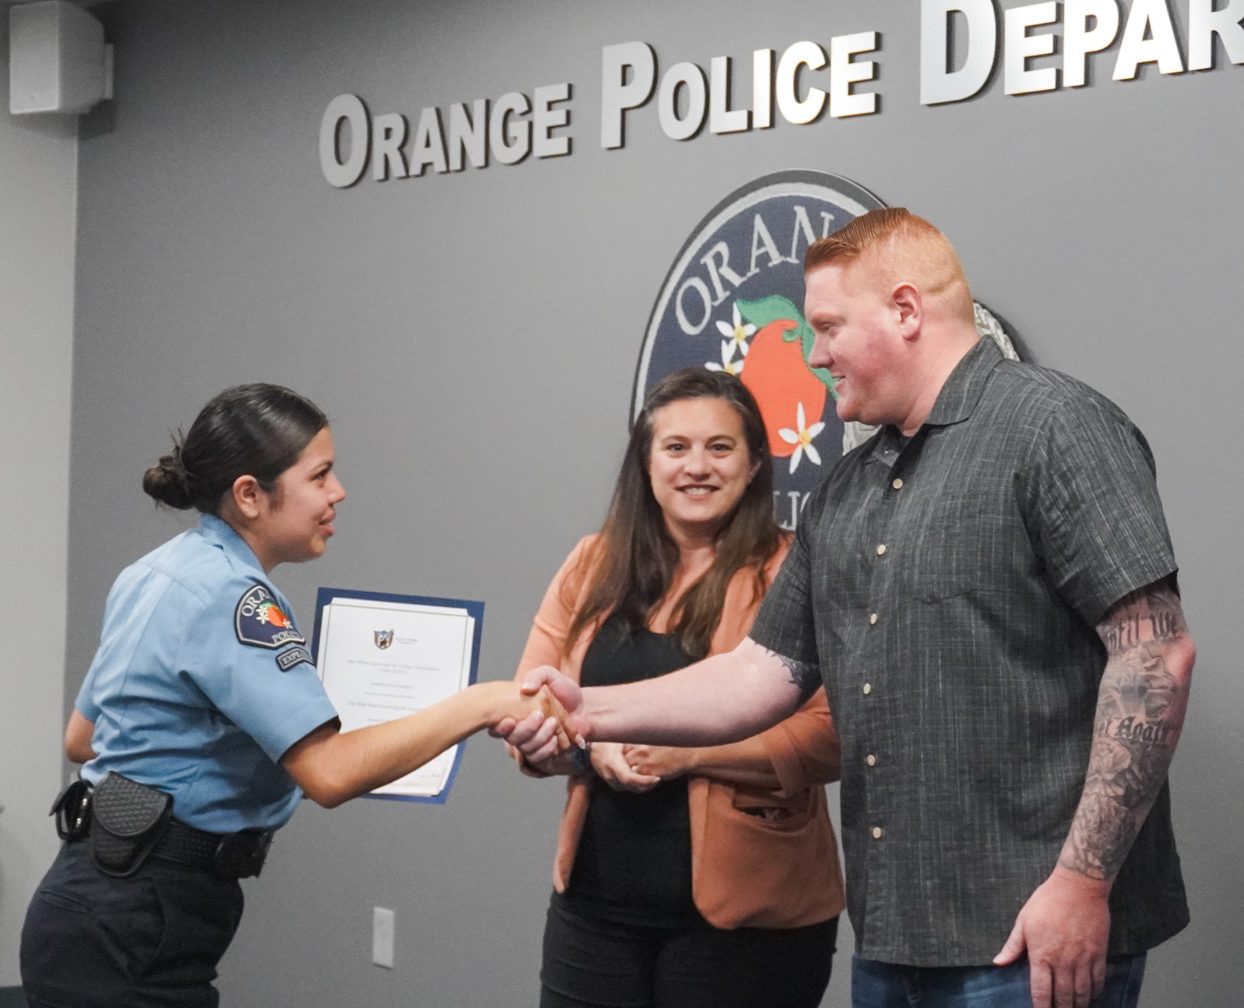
{"x":536,"y":736}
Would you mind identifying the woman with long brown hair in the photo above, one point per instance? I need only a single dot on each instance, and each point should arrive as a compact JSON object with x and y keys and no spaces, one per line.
{"x":685,"y":877}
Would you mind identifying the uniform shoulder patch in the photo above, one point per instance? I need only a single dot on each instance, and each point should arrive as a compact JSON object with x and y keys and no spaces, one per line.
{"x":286,"y":660}
{"x":258,"y":620}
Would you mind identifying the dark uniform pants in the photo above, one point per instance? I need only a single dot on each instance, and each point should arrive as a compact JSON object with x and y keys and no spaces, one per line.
{"x":147,"y":941}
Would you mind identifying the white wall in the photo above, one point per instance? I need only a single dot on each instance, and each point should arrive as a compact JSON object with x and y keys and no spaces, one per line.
{"x":38,"y":206}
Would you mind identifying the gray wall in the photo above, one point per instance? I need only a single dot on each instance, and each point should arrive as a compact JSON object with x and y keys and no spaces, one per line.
{"x":38,"y":193}
{"x":474,"y":338}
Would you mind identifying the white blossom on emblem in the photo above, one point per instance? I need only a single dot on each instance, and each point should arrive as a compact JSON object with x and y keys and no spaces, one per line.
{"x":801,"y":438}
{"x":728,"y":365}
{"x":736,"y":331}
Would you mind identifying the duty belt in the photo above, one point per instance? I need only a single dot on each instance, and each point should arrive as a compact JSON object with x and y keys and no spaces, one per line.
{"x":82,"y":809}
{"x":229,"y":855}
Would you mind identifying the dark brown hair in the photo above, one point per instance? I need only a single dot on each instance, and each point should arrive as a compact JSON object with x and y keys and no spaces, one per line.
{"x":632,"y":568}
{"x":257,"y":430}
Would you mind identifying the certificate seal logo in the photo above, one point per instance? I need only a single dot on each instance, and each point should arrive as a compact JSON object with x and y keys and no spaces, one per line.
{"x":383,"y":638}
{"x":733,"y":301}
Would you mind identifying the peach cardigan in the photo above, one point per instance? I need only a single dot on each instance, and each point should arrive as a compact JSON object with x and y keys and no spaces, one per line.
{"x":775,"y":869}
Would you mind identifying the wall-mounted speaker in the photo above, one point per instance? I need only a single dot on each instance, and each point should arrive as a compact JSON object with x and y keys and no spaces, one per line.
{"x":58,"y":61}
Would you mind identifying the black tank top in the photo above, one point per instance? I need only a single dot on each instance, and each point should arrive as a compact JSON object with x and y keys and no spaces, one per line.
{"x":633,"y":863}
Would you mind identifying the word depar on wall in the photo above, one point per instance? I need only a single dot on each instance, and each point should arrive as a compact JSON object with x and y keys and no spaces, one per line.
{"x":1040,"y":47}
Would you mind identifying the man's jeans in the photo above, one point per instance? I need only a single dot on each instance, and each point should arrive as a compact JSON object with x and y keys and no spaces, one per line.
{"x":886,"y":985}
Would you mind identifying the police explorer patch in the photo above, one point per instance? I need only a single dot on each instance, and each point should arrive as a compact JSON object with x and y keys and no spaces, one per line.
{"x":286,"y":660}
{"x":258,"y":620}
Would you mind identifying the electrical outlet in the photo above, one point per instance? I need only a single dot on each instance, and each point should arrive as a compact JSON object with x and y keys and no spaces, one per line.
{"x":382,"y":937}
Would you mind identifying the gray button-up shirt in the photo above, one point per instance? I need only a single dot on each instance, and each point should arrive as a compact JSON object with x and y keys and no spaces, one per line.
{"x":948,"y":586}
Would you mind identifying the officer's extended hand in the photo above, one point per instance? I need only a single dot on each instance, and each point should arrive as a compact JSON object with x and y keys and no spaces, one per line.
{"x":541,"y":744}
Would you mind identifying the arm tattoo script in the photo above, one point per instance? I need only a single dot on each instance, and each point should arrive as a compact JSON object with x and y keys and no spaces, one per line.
{"x":1149,"y":614}
{"x":1140,"y":712}
{"x":805,"y":675}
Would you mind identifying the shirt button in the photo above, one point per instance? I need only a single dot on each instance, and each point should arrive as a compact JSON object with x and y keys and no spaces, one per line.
{"x":872,"y":619}
{"x":868,"y":688}
{"x":877,"y":834}
{"x":881,"y":550}
{"x":870,"y":759}
{"x":897,"y":484}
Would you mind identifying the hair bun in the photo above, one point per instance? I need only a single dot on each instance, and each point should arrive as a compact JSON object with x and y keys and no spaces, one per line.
{"x":168,"y":482}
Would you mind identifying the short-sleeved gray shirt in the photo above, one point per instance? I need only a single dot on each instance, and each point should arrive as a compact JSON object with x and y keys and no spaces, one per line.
{"x":949,"y":586}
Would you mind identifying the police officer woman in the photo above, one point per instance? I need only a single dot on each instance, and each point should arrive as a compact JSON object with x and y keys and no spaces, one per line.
{"x":201,"y":720}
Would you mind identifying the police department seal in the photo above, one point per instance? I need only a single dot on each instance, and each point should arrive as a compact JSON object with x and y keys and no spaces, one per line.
{"x":733,"y":301}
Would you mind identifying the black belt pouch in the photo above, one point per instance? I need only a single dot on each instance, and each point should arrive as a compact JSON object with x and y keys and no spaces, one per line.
{"x":127,"y":820}
{"x":72,"y":810}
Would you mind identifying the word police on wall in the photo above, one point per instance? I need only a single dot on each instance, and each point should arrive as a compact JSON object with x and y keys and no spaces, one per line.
{"x":1038,"y":47}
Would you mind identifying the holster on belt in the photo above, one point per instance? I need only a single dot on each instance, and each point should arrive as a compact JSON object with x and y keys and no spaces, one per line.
{"x":241,"y":855}
{"x":128,"y":819}
{"x":72,"y":809}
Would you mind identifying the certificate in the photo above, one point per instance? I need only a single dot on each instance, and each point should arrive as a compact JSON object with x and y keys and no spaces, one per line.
{"x":381,"y":657}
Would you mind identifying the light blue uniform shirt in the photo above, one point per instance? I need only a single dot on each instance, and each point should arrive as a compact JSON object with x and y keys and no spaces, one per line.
{"x":202,"y":682}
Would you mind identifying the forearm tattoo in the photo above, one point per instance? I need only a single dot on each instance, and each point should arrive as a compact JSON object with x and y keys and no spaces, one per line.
{"x":805,"y":675}
{"x":1140,"y":713}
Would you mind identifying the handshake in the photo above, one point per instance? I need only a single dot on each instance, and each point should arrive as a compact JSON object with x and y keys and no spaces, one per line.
{"x":542,"y":720}
{"x":545,"y":723}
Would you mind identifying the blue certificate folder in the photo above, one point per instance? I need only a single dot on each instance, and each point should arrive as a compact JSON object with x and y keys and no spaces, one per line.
{"x":475,"y":610}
